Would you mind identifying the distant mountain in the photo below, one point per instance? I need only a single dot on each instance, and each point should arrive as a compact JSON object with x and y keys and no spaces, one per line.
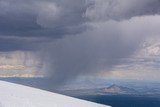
{"x":111,"y":90}
{"x":115,"y":89}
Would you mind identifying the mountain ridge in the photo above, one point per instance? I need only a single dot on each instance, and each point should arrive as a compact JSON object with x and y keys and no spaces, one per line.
{"x":111,"y":90}
{"x":116,"y":89}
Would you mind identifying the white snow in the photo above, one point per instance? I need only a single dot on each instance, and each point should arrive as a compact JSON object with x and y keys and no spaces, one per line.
{"x":14,"y":95}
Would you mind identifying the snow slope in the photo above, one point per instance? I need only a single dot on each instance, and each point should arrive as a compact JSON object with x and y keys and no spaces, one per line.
{"x":14,"y":95}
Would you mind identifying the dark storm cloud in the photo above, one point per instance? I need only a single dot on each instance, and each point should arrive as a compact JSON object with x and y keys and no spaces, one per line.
{"x":8,"y":44}
{"x":42,"y":19}
{"x":93,"y":34}
{"x":56,"y":18}
{"x":101,"y":10}
{"x":39,"y":18}
{"x":99,"y":49}
{"x":84,"y":54}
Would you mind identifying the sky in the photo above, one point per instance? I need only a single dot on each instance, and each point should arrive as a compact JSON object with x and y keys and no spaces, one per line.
{"x":66,"y":39}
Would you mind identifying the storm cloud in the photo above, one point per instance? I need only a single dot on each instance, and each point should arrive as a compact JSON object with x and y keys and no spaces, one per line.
{"x":78,"y":37}
{"x":101,"y":10}
{"x":99,"y":49}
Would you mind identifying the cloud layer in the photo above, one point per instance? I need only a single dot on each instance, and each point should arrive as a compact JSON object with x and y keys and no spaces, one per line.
{"x":78,"y":37}
{"x":101,"y":10}
{"x":100,"y":48}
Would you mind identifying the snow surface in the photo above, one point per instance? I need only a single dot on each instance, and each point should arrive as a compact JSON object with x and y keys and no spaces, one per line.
{"x":14,"y":95}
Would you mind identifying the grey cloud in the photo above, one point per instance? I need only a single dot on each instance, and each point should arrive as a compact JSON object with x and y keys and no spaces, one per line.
{"x":42,"y":19}
{"x":56,"y":18}
{"x":8,"y":44}
{"x":94,"y":35}
{"x":98,"y":49}
{"x":101,"y":10}
{"x":38,"y":18}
